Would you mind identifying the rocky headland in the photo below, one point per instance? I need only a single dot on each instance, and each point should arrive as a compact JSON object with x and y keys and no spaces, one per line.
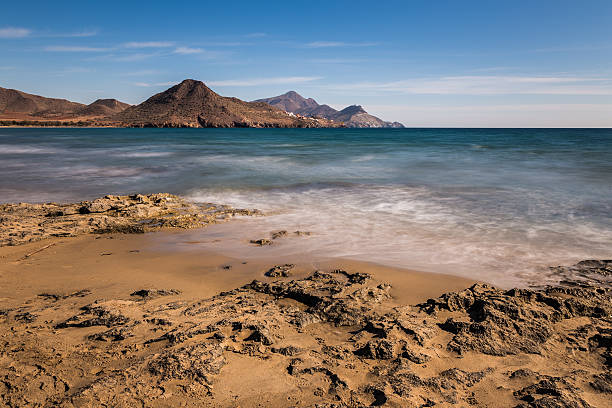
{"x":353,"y":116}
{"x":293,"y":336}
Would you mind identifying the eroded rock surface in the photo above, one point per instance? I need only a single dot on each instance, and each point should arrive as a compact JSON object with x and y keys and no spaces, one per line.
{"x":336,"y":338}
{"x":280,"y":271}
{"x":21,"y":223}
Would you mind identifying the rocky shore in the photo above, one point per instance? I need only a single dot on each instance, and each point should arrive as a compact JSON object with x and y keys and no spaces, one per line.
{"x":21,"y":223}
{"x":325,"y":338}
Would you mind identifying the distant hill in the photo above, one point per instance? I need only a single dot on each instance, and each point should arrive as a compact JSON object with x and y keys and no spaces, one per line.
{"x":104,"y":107}
{"x":14,"y":101}
{"x":351,"y":116}
{"x":192,"y":104}
{"x":17,"y":104}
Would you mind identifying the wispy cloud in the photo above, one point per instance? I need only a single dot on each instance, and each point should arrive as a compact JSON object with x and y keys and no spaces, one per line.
{"x":264,"y":81}
{"x":148,"y":44}
{"x":256,"y":35}
{"x":489,"y":85}
{"x":78,"y":34}
{"x":74,"y":70}
{"x":188,"y":50}
{"x":14,"y":32}
{"x":335,"y":61}
{"x":147,"y":84}
{"x":332,"y":44}
{"x":142,"y":72}
{"x":71,"y":48}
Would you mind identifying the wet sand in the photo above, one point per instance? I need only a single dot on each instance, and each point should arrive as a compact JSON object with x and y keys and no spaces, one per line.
{"x":115,"y":264}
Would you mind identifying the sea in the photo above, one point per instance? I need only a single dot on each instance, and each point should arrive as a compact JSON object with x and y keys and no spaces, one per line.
{"x":498,"y":205}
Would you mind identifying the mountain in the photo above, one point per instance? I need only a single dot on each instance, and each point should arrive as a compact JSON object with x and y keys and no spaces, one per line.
{"x":14,"y":102}
{"x":104,"y":107}
{"x":192,"y":104}
{"x":21,"y":105}
{"x":351,"y":116}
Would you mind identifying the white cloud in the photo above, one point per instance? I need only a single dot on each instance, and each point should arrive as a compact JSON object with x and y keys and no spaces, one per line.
{"x":256,"y":35}
{"x":330,"y":44}
{"x":14,"y":32}
{"x":70,"y":48}
{"x":149,"y":44}
{"x":515,"y":115}
{"x":134,"y":57}
{"x":263,"y":81}
{"x":488,"y":85}
{"x":146,"y":84}
{"x":78,"y":34}
{"x":336,"y":61}
{"x":142,"y":72}
{"x":187,"y":50}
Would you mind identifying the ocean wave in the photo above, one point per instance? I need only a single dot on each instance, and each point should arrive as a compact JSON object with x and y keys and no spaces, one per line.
{"x":24,"y":149}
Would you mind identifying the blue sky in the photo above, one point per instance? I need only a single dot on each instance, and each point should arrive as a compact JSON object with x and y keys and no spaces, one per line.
{"x":424,"y":63}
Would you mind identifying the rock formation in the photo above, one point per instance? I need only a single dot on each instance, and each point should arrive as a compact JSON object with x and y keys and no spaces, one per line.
{"x":335,"y":339}
{"x":21,"y":223}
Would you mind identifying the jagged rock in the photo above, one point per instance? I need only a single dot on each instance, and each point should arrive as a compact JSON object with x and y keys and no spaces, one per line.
{"x":603,"y":382}
{"x":26,"y":317}
{"x":107,"y":314}
{"x":551,"y":392}
{"x":279,"y":271}
{"x":499,"y":322}
{"x":153,"y":293}
{"x":279,"y":234}
{"x":199,"y":362}
{"x":261,"y":242}
{"x":57,"y":296}
{"x":287,"y":351}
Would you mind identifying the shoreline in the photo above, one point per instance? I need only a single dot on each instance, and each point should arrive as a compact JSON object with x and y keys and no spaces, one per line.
{"x":130,"y":260}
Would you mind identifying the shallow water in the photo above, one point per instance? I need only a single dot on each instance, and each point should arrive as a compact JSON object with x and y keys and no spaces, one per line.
{"x":491,"y":204}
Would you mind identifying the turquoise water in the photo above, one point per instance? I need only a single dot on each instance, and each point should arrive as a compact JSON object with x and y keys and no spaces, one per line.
{"x":492,"y":203}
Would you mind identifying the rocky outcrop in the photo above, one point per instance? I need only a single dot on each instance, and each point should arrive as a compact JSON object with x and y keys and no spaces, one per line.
{"x":21,"y":223}
{"x":336,"y":337}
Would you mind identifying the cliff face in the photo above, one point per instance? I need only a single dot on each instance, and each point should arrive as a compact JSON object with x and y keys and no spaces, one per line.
{"x":193,"y":104}
{"x":352,"y":116}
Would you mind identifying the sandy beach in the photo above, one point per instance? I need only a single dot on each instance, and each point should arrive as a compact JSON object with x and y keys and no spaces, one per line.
{"x":112,"y":319}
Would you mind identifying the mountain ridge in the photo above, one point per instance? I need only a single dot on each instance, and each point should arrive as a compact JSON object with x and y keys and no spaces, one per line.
{"x":19,"y":104}
{"x":192,"y":104}
{"x":189,"y":103}
{"x":351,"y":116}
